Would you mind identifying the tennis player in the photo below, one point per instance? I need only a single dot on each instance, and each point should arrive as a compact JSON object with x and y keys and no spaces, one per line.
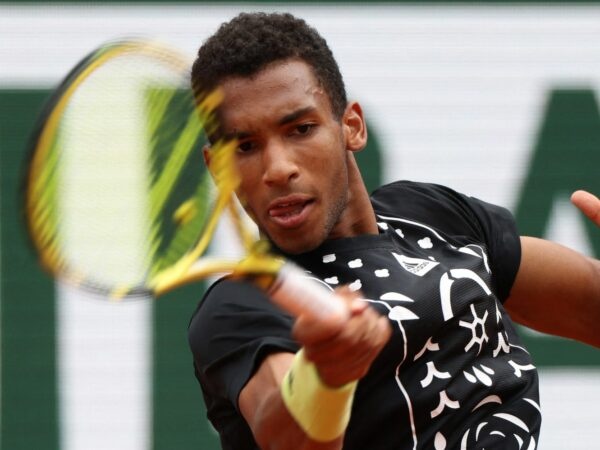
{"x":428,"y":357}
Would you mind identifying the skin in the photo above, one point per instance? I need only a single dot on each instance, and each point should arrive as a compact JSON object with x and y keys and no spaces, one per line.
{"x":301,"y":185}
{"x":557,"y":290}
{"x":300,"y":182}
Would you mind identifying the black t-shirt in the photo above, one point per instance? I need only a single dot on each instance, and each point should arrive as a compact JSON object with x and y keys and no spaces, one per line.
{"x":454,"y":374}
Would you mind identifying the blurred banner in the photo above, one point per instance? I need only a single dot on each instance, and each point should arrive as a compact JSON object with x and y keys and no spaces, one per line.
{"x":496,"y":100}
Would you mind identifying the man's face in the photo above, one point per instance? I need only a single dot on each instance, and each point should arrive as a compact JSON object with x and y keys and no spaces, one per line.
{"x":292,"y":154}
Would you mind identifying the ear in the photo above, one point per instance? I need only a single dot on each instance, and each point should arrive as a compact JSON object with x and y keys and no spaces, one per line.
{"x":354,"y":127}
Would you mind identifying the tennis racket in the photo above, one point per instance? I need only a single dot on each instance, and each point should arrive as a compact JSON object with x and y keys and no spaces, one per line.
{"x":117,"y":198}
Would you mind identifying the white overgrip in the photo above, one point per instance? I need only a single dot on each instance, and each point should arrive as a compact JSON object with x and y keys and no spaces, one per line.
{"x":297,"y":294}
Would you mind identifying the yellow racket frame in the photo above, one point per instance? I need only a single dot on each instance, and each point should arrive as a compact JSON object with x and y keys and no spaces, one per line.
{"x":190,"y":267}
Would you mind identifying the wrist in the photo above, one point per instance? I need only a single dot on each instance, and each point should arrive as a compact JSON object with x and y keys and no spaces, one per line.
{"x":321,"y":411}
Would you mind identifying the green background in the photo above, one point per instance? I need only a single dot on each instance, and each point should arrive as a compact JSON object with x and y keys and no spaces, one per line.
{"x":29,"y":397}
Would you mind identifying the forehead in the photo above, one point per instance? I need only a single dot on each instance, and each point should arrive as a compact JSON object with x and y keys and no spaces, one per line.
{"x":280,"y":88}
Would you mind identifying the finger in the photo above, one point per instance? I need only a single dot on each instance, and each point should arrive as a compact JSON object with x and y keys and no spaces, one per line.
{"x":344,"y":367}
{"x":344,"y":346}
{"x":588,"y":204}
{"x":350,"y":371}
{"x":353,"y":299}
{"x":308,"y":331}
{"x":358,"y":306}
{"x":365,"y":334}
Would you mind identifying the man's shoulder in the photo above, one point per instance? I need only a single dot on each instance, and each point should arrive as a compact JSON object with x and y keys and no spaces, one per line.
{"x":437,"y":206}
{"x":232,"y":301}
{"x":411,"y":197}
{"x":228,"y":293}
{"x":230,"y":312}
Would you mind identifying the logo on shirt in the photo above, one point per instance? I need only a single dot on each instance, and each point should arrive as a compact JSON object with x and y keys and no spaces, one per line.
{"x":416,"y":266}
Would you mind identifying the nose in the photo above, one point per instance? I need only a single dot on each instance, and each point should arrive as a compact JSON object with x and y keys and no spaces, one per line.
{"x":279,"y":164}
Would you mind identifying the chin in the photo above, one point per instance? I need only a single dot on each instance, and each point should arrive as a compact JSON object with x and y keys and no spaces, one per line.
{"x":296,"y":246}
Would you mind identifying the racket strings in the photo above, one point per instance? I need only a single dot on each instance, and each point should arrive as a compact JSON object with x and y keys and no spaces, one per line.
{"x":117,"y":158}
{"x":118,"y":200}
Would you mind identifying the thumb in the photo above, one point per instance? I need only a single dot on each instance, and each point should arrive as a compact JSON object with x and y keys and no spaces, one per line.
{"x":588,"y":204}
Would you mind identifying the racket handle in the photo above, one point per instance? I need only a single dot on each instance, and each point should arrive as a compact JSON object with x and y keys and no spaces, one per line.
{"x":301,"y":296}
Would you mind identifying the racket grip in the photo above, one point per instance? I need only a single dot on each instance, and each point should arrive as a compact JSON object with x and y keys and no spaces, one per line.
{"x":297,"y":294}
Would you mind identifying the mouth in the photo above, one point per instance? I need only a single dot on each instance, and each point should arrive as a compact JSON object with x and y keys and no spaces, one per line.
{"x":290,"y":211}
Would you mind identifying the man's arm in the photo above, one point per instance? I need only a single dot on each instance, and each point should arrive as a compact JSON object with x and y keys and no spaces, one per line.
{"x":341,"y":356}
{"x":262,"y":406}
{"x":557,"y":290}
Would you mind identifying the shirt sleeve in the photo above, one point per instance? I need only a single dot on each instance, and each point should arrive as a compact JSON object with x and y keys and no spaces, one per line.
{"x":463,"y":218}
{"x":234,"y":328}
{"x":503,"y":242}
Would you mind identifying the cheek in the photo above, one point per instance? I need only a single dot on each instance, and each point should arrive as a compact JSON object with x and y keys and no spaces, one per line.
{"x":326,"y":155}
{"x":248,"y":207}
{"x":249,"y":174}
{"x":247,"y":187}
{"x":334,"y":168}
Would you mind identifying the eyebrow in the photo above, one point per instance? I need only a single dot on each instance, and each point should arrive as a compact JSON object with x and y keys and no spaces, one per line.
{"x":236,"y":135}
{"x":288,"y":118}
{"x":291,"y":117}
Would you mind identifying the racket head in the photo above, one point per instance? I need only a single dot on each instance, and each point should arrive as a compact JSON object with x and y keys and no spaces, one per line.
{"x":116,"y":192}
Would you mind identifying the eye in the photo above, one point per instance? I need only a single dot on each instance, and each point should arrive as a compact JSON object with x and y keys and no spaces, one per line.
{"x":304,"y":129}
{"x":246,"y":146}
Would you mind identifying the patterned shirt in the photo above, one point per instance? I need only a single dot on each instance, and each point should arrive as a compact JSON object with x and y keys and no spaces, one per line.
{"x":454,"y":374}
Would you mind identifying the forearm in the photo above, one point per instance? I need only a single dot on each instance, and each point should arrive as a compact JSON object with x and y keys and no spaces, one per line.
{"x":583,"y":314}
{"x":275,"y":429}
{"x":303,"y":401}
{"x":263,"y":407}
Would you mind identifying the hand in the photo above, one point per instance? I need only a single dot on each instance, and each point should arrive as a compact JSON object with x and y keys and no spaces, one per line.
{"x":345,"y":354}
{"x":588,"y":204}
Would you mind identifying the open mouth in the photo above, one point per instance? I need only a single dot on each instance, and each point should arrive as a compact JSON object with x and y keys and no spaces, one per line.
{"x":290,"y":213}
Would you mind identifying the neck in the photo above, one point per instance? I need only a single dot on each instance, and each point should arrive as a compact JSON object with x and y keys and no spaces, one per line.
{"x":359,"y":216}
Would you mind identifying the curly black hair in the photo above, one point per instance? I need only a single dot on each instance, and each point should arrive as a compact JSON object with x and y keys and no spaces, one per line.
{"x":251,"y":41}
